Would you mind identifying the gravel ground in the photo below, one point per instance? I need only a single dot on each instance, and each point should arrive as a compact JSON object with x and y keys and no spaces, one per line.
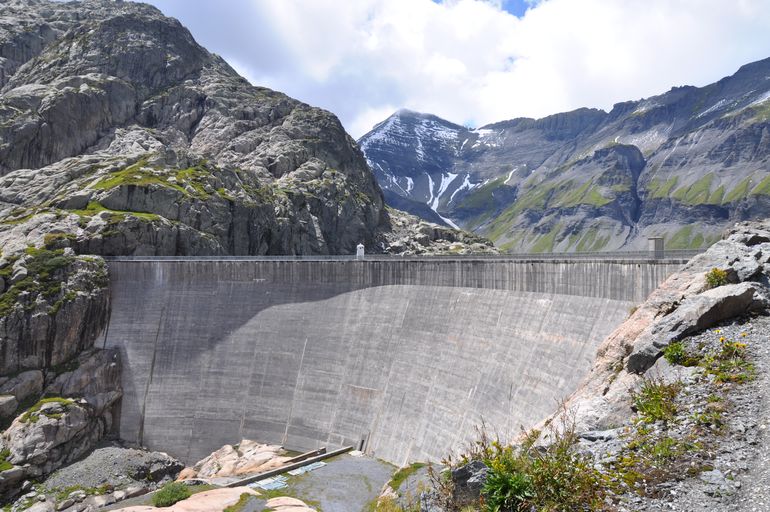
{"x":755,"y":493}
{"x":117,"y":467}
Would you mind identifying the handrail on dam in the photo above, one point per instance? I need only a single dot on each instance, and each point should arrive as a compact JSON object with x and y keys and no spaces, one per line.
{"x":602,"y":256}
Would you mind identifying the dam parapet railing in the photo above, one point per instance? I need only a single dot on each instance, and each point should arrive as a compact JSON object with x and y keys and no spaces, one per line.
{"x":673,"y":256}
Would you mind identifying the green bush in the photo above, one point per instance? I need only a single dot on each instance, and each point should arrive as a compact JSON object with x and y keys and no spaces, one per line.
{"x":170,"y":494}
{"x":4,"y":464}
{"x":716,"y":277}
{"x":654,"y":400}
{"x":548,"y":479}
{"x":676,"y":353}
{"x":507,"y":487}
{"x":730,"y":363}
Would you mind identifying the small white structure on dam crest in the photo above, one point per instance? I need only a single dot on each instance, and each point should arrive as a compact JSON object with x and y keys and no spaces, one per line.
{"x":360,"y":251}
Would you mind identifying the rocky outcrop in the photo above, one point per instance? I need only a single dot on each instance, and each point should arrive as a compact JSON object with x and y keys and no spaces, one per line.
{"x":694,"y":314}
{"x":58,"y":430}
{"x":247,"y":457}
{"x":286,"y":504}
{"x":408,"y":235}
{"x":18,"y":389}
{"x":53,"y":307}
{"x":684,"y":165}
{"x":213,"y":500}
{"x":52,"y":433}
{"x":682,"y":305}
{"x":163,"y":148}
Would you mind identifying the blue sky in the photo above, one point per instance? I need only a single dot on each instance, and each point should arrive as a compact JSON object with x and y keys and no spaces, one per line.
{"x":476,"y":61}
{"x":515,"y":7}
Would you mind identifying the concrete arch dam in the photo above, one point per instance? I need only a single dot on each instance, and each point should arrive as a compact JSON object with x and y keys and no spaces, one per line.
{"x":406,"y":355}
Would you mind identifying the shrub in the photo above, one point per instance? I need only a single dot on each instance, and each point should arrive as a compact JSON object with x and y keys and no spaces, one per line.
{"x":4,"y":455}
{"x":507,"y":490}
{"x":730,"y":364}
{"x":676,"y":353}
{"x":654,"y":401}
{"x":547,"y":479}
{"x":170,"y":493}
{"x":716,"y":277}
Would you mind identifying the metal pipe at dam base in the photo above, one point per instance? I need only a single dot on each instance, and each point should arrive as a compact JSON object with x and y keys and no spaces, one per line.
{"x":406,"y":355}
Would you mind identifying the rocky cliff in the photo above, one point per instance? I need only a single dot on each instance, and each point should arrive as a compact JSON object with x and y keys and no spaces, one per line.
{"x":57,"y":392}
{"x":687,"y":302}
{"x":684,"y":165}
{"x":118,"y":129}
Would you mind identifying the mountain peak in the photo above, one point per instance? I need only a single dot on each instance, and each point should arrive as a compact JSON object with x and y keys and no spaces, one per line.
{"x":678,"y":164}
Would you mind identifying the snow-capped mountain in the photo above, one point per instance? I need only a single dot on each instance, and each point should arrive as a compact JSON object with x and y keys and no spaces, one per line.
{"x":682,"y":165}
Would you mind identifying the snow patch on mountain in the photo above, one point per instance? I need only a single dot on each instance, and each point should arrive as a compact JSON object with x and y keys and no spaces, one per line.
{"x":510,"y":175}
{"x":380,"y":133}
{"x":466,"y":185}
{"x":488,"y":138}
{"x":446,"y":180}
{"x":435,"y":197}
{"x":716,"y":106}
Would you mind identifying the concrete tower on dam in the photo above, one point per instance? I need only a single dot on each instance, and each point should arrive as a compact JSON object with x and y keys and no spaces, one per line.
{"x":402,"y":357}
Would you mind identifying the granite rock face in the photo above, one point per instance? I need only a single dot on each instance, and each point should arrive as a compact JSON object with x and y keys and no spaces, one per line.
{"x":685,"y":165}
{"x":54,"y":307}
{"x":683,"y":305}
{"x":117,"y":128}
{"x":77,"y":413}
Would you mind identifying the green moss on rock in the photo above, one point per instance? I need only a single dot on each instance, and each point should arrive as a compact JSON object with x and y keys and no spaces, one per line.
{"x":32,"y":414}
{"x":42,"y":267}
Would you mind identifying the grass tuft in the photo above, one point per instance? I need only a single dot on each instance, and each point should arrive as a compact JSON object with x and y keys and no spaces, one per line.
{"x":654,"y":400}
{"x":171,"y":493}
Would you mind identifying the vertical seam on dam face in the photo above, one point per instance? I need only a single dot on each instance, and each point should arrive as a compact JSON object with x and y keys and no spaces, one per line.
{"x":407,"y":354}
{"x":149,"y":378}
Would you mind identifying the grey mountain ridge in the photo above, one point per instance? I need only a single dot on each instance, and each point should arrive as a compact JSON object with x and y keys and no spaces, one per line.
{"x":683,"y":165}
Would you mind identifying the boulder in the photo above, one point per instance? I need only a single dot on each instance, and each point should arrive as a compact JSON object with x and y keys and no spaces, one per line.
{"x":96,"y":379}
{"x":468,"y":481}
{"x":48,"y":437}
{"x":24,"y":385}
{"x":693,"y":314}
{"x":8,"y":405}
{"x":245,"y":458}
{"x":286,"y":504}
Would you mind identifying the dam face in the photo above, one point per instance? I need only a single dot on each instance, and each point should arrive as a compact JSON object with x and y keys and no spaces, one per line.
{"x":403,"y":357}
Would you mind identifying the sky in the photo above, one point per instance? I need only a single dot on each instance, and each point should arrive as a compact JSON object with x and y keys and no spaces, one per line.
{"x":476,"y":61}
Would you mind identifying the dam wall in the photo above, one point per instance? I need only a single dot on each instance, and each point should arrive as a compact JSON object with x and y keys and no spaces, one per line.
{"x":402,"y":357}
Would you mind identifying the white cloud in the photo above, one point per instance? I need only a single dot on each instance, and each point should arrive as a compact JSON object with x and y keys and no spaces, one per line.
{"x":469,"y":60}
